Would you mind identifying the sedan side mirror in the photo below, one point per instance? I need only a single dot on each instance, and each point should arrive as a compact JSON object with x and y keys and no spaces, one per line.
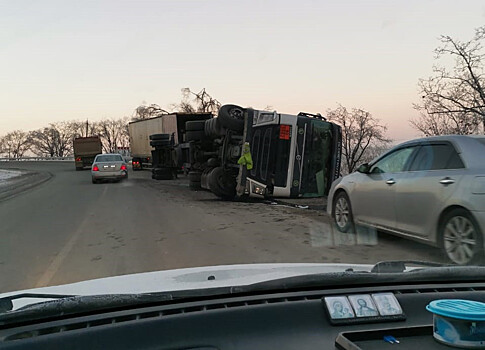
{"x":364,"y":168}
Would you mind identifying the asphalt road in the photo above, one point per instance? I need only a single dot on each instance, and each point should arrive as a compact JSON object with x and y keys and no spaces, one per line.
{"x":67,"y":229}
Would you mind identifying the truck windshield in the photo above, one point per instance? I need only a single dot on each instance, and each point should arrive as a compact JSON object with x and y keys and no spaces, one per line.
{"x":316,"y":156}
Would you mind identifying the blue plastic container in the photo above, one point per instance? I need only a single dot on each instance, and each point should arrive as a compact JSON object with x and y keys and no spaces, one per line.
{"x":459,"y":323}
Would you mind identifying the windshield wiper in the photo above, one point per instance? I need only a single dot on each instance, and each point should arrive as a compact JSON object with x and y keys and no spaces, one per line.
{"x":6,"y":303}
{"x":400,"y":265}
{"x":386,"y":276}
{"x":73,"y":306}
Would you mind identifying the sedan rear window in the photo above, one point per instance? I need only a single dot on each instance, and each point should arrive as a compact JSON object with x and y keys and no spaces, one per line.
{"x":109,"y":158}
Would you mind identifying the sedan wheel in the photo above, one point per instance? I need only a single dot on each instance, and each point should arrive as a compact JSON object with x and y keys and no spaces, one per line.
{"x":461,"y":239}
{"x":342,"y":212}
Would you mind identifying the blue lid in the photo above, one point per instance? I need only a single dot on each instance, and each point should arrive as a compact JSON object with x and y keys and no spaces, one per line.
{"x":457,"y":308}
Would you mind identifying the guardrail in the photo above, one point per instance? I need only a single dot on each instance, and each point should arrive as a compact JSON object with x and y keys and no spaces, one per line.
{"x":34,"y":159}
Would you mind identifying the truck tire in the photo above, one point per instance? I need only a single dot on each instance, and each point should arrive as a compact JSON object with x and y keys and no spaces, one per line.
{"x":194,"y":135}
{"x":195,"y":125}
{"x":160,"y":143}
{"x":222,"y":184}
{"x":162,"y":174}
{"x":213,"y":128}
{"x":232,"y":117}
{"x":154,"y":137}
{"x":194,"y":176}
{"x":213,"y":162}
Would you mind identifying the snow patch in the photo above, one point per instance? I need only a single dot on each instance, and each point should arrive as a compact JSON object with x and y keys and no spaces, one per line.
{"x":7,"y":175}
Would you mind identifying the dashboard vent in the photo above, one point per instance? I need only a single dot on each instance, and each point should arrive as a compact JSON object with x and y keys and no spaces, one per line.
{"x":214,"y":305}
{"x":151,"y":314}
{"x":438,"y":290}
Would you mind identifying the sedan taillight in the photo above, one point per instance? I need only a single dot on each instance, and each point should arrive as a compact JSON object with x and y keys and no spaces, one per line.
{"x":123,"y":167}
{"x":95,"y":167}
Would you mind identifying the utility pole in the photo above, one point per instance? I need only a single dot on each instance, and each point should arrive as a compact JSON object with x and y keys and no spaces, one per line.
{"x":87,"y":127}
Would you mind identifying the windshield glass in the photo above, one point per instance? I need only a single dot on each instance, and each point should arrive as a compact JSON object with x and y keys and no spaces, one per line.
{"x":317,"y":155}
{"x":146,"y":137}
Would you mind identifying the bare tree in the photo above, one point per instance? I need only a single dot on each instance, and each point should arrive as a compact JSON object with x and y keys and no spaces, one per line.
{"x":113,"y":133}
{"x":54,"y":140}
{"x":16,"y":143}
{"x":145,"y":112}
{"x":200,"y":102}
{"x":453,"y":100}
{"x":361,"y":133}
{"x":83,"y":128}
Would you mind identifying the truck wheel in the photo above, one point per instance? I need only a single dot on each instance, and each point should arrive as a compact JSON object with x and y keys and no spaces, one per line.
{"x":213,"y":162}
{"x":162,"y":174}
{"x":194,"y":176}
{"x":159,"y":137}
{"x":160,"y":143}
{"x":222,"y":184}
{"x":194,"y":135}
{"x":232,"y":117}
{"x":195,"y":125}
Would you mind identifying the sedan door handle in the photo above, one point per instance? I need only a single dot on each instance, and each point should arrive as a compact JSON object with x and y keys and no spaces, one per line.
{"x":447,"y":181}
{"x":390,"y":182}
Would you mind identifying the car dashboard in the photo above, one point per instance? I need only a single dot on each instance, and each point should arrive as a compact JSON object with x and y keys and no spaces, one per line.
{"x":285,"y":320}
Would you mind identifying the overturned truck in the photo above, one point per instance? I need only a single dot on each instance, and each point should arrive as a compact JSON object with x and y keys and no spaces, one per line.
{"x":247,"y":152}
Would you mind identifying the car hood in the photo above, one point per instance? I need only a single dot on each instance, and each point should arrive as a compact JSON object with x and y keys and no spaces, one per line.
{"x":184,"y":279}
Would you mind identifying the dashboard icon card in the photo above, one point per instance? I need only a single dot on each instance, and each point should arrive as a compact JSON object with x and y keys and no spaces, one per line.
{"x":339,"y":308}
{"x":363,"y":305}
{"x":387,"y":304}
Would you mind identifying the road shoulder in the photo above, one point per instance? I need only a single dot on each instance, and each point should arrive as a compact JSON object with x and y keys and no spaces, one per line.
{"x":27,"y":180}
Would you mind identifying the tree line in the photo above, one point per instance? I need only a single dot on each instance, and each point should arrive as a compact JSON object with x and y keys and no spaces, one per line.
{"x":56,"y":139}
{"x":452,"y":101}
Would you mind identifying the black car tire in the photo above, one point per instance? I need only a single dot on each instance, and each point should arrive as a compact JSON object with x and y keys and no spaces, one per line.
{"x":232,"y":117}
{"x":342,"y":212}
{"x":194,"y":135}
{"x":195,"y":125}
{"x":94,"y":181}
{"x":157,"y":137}
{"x":453,"y":246}
{"x":79,"y":168}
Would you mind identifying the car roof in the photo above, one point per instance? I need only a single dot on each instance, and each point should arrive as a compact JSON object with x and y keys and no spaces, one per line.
{"x":456,"y":138}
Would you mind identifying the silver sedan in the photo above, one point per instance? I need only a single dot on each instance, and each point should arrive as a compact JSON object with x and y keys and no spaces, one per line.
{"x":431,"y":190}
{"x":110,"y":166}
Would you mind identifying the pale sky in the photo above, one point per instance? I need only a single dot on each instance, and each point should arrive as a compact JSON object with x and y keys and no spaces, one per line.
{"x":63,"y":60}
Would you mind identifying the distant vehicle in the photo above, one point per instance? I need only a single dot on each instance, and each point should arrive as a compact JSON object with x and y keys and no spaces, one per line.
{"x":172,"y":124}
{"x":85,"y":149}
{"x":110,"y":166}
{"x":431,"y":190}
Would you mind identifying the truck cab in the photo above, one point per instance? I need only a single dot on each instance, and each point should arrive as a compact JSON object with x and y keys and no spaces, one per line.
{"x":293,"y":156}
